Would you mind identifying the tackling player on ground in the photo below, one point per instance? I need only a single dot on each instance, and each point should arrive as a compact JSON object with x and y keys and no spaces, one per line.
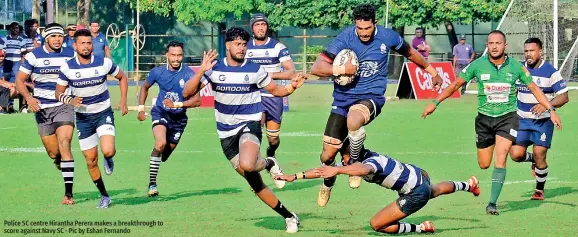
{"x":55,"y":120}
{"x":497,"y":122}
{"x":411,"y":183}
{"x":536,"y":128}
{"x":357,"y":104}
{"x":169,"y":114}
{"x":86,"y":76}
{"x":274,"y":57}
{"x":238,"y":110}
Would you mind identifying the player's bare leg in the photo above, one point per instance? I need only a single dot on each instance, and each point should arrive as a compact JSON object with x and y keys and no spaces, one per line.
{"x":541,"y":171}
{"x":448,"y":187}
{"x":51,"y":145}
{"x":357,"y":116}
{"x":519,"y":154}
{"x":64,"y":137}
{"x":327,"y":157}
{"x":273,"y":130}
{"x":387,"y":221}
{"x":250,"y":163}
{"x":502,"y":148}
{"x":108,"y":150}
{"x":91,"y":156}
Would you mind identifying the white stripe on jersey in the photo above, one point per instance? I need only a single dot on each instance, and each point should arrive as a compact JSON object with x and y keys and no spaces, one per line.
{"x":96,"y":87}
{"x":44,"y":69}
{"x":545,"y":83}
{"x":269,"y":58}
{"x":230,"y":100}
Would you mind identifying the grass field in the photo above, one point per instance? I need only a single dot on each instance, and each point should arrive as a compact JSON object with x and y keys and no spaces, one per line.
{"x":201,"y":195}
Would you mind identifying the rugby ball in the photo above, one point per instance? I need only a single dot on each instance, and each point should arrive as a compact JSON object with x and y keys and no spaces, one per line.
{"x":340,"y":60}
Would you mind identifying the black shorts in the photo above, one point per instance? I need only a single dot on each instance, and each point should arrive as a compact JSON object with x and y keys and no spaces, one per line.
{"x":231,"y":144}
{"x":336,"y":126}
{"x":487,"y":128}
{"x":417,"y":198}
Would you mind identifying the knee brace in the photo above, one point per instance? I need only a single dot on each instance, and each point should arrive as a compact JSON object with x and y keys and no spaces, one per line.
{"x":364,"y":110}
{"x":273,"y":133}
{"x":334,"y":142}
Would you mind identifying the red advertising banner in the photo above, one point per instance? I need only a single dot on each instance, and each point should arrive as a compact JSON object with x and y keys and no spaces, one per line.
{"x":416,"y":83}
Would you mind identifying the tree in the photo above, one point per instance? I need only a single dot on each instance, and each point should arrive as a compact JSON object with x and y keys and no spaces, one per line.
{"x":83,"y":15}
{"x":190,"y":11}
{"x":36,"y":9}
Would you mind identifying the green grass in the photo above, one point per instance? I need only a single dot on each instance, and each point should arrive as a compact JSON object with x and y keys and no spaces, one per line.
{"x":201,"y":195}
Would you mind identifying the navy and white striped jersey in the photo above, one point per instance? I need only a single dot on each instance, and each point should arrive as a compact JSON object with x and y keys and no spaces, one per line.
{"x":28,"y":42}
{"x":237,"y":96}
{"x":269,"y":55}
{"x":14,"y":48}
{"x":89,"y":82}
{"x":549,"y":80}
{"x":43,"y":68}
{"x":391,"y":173}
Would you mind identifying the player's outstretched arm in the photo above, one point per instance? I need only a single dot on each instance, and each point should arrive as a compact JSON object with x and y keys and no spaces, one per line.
{"x":355,"y":169}
{"x":143,"y":94}
{"x":123,"y":80}
{"x":288,"y":71}
{"x":193,"y":86}
{"x":33,"y":103}
{"x":416,"y":58}
{"x":431,"y":107}
{"x":543,"y":100}
{"x":309,"y":174}
{"x":282,"y":91}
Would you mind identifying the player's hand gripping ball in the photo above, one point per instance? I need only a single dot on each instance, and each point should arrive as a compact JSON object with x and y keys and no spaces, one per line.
{"x":346,"y":56}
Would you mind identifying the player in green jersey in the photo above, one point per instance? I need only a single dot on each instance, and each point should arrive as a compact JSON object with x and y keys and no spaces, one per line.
{"x":497,"y":122}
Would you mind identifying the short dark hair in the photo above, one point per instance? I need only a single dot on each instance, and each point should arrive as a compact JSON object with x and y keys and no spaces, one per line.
{"x":364,"y":12}
{"x":94,"y":21}
{"x":14,"y":24}
{"x":235,"y":33}
{"x":419,"y":28}
{"x":535,"y":41}
{"x":498,"y":32}
{"x":175,"y":44}
{"x":30,"y":22}
{"x":83,"y":32}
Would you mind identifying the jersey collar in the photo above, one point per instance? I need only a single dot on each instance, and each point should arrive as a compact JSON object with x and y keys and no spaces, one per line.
{"x":91,"y":59}
{"x":227,"y":65}
{"x":266,"y":42}
{"x":506,"y":62}
{"x":46,"y":49}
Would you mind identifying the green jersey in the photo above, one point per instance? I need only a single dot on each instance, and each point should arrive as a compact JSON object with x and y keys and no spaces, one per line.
{"x":496,"y":84}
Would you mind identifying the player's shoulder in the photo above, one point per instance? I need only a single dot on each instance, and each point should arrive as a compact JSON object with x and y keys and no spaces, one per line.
{"x":548,"y":67}
{"x":66,"y":51}
{"x":383,"y":31}
{"x":251,"y":66}
{"x":347,"y":33}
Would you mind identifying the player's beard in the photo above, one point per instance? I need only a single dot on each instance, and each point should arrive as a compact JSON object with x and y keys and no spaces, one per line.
{"x":237,"y":59}
{"x":260,"y":38}
{"x":534,"y":63}
{"x":85,"y":56}
{"x":501,"y":55}
{"x":175,"y":68}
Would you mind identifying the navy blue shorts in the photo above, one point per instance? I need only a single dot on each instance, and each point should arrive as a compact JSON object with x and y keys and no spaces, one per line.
{"x":91,"y":127}
{"x":273,"y":108}
{"x":175,"y":123}
{"x":341,"y":104}
{"x":535,"y":131}
{"x":417,"y":198}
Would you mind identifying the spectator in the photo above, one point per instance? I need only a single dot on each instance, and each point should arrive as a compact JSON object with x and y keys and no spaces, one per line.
{"x":463,"y":55}
{"x":99,"y":43}
{"x":7,"y":89}
{"x":15,"y":47}
{"x":31,"y":27}
{"x":418,"y":42}
{"x":69,"y":38}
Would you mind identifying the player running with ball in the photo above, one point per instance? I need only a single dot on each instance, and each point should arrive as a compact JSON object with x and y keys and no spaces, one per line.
{"x":358,"y":103}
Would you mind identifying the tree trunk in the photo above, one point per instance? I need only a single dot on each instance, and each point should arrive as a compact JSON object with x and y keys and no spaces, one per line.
{"x":36,"y":9}
{"x":83,"y":8}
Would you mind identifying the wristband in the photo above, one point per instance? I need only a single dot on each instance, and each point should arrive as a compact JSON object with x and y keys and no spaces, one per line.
{"x":338,"y":70}
{"x":436,"y":102}
{"x":65,"y":98}
{"x":290,"y":88}
{"x":429,"y":69}
{"x":300,"y":175}
{"x":178,"y":104}
{"x":140,"y":108}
